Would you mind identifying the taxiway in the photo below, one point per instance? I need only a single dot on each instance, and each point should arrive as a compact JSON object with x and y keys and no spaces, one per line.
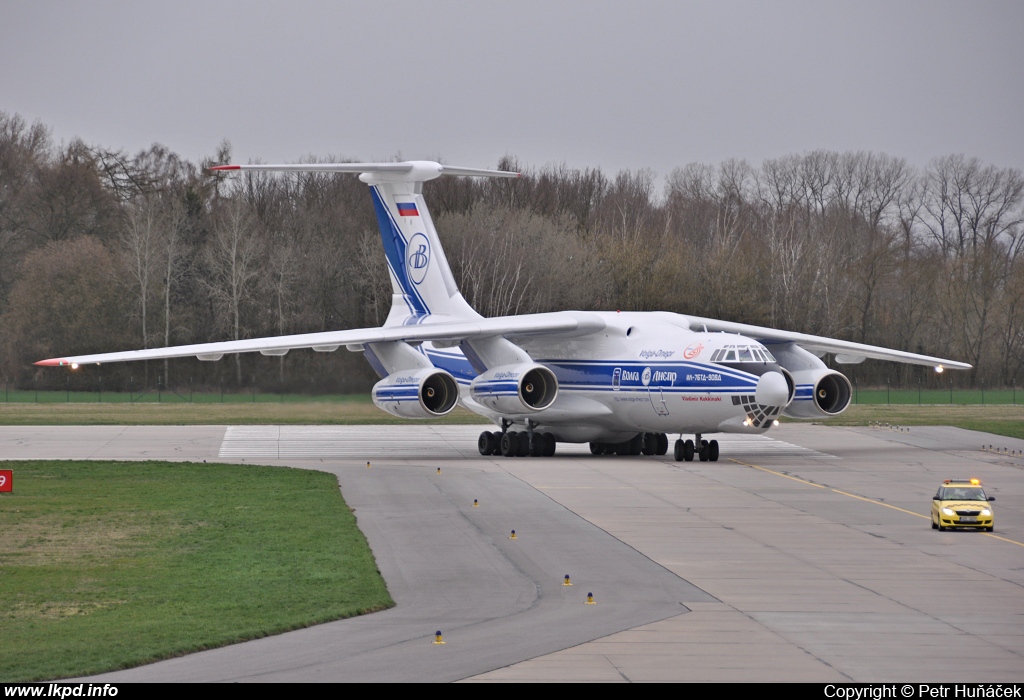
{"x":803,"y":556}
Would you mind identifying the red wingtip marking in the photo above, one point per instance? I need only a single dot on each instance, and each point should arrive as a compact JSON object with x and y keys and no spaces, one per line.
{"x":56,"y":362}
{"x":225,"y":167}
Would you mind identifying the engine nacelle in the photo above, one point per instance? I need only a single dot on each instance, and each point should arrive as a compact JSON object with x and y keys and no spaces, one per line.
{"x":820,"y":393}
{"x":422,"y":393}
{"x":515,"y":389}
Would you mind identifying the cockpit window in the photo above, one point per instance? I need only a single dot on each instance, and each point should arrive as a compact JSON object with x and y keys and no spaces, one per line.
{"x":742,"y":353}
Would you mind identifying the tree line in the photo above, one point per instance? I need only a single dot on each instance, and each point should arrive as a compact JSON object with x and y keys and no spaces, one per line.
{"x":103,"y":250}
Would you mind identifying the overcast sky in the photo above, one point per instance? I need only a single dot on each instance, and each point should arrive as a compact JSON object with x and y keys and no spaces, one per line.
{"x":609,"y":84}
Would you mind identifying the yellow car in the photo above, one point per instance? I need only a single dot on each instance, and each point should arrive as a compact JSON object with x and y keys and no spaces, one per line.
{"x":962,"y":503}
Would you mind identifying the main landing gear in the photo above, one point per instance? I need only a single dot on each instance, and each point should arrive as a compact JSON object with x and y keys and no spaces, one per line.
{"x":509,"y":443}
{"x":642,"y":443}
{"x":685,"y":450}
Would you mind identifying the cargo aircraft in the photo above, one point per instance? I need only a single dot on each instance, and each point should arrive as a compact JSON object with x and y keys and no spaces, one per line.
{"x":622,"y":381}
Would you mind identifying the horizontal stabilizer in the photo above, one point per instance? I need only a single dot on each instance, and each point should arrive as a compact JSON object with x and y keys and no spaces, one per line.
{"x":407,"y":171}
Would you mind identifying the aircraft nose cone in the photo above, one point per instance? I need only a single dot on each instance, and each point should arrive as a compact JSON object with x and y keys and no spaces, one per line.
{"x":772,"y":389}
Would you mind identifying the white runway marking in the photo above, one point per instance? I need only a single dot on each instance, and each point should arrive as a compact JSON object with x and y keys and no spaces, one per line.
{"x":762,"y":445}
{"x":433,"y":441}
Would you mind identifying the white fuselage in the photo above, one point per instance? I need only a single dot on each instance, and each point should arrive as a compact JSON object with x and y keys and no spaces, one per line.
{"x":644,"y":372}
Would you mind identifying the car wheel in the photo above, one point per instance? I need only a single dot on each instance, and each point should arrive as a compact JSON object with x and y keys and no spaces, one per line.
{"x":990,"y":529}
{"x":934,"y":525}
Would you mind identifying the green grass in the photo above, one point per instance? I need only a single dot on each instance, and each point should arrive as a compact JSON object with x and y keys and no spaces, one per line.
{"x":1002,"y":419}
{"x":357,"y":411}
{"x":997,"y":415}
{"x":957,"y":397}
{"x":176,"y":396}
{"x":106,"y":565}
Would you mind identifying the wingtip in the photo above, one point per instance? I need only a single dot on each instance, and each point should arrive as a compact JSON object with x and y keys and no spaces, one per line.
{"x":217,"y":168}
{"x":55,"y":362}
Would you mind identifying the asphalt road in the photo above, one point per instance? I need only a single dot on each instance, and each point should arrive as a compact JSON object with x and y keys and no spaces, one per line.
{"x":806,"y":556}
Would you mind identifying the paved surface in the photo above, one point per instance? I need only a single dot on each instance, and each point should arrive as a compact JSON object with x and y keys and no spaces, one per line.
{"x":805,"y":558}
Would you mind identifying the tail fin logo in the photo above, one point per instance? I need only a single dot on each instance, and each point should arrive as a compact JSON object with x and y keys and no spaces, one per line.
{"x":419,"y":258}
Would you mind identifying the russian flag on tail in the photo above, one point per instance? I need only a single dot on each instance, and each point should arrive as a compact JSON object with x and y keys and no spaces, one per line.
{"x":407,"y":209}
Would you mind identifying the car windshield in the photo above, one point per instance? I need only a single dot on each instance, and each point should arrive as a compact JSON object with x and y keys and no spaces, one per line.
{"x":962,"y":493}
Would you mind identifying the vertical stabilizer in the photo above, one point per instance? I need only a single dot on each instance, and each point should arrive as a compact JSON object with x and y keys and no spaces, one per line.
{"x":421,"y":280}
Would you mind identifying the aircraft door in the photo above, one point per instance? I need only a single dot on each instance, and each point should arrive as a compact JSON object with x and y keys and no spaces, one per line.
{"x":655,"y":392}
{"x":657,"y":395}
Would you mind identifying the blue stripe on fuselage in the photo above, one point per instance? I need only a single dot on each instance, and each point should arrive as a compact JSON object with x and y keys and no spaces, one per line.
{"x":596,"y":375}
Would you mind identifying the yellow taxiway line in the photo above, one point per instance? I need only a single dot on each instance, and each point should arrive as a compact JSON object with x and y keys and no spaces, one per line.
{"x":859,"y":498}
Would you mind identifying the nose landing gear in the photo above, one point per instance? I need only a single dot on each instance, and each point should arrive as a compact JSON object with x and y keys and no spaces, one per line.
{"x":686,"y":449}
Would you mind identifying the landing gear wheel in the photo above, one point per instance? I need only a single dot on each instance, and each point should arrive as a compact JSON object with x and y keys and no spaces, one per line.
{"x":662,"y":444}
{"x":524,"y":444}
{"x":537,"y":445}
{"x":487,"y":444}
{"x":678,"y":451}
{"x":705,"y":451}
{"x":550,"y":444}
{"x":596,"y":448}
{"x":509,"y":444}
{"x":650,"y":444}
{"x":713,"y":450}
{"x":636,"y":445}
{"x":688,"y":450}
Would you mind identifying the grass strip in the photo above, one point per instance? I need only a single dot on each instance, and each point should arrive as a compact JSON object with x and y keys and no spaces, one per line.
{"x":310,"y":413}
{"x":107,"y":565}
{"x":1004,"y":419}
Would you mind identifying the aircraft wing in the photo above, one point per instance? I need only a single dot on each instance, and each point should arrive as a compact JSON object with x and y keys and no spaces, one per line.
{"x":846,"y":352}
{"x":559,"y":323}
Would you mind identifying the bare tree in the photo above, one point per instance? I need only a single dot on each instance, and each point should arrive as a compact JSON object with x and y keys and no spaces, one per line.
{"x":138,"y":238}
{"x":233,"y":259}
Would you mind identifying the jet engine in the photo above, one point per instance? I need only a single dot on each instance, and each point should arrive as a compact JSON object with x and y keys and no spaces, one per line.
{"x":422,"y":393}
{"x":819,"y":393}
{"x":515,"y":389}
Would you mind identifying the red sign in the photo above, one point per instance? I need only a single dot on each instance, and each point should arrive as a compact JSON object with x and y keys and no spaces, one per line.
{"x":6,"y":480}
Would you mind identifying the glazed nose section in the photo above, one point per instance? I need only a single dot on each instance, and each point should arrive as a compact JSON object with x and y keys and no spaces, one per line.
{"x":772,"y":389}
